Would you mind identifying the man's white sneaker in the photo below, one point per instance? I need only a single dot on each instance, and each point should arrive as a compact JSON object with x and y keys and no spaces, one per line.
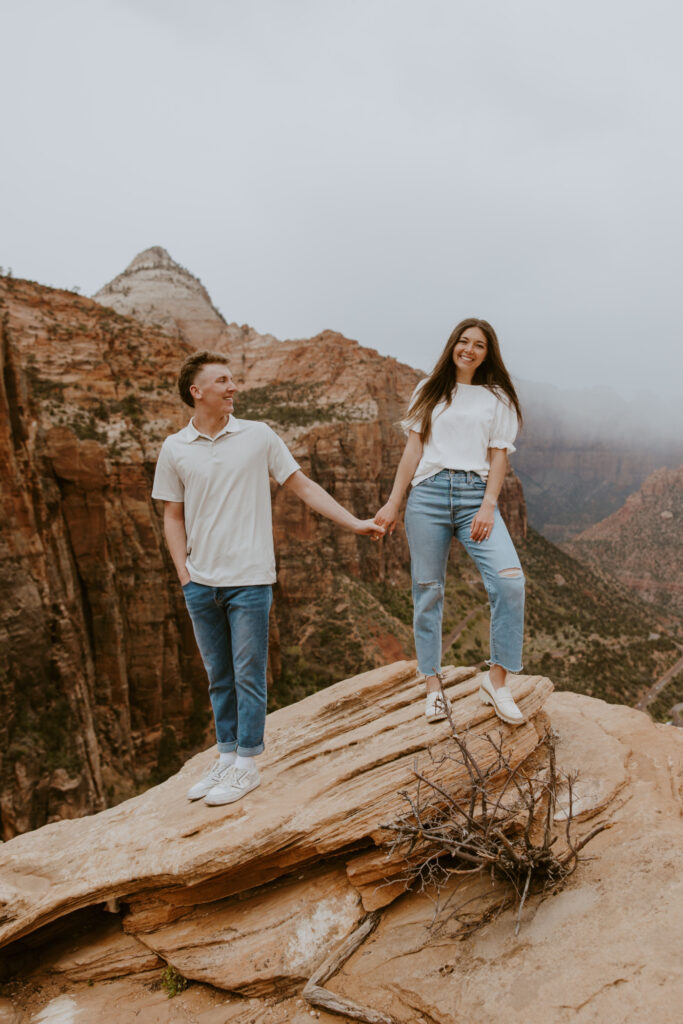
{"x":502,"y":701}
{"x":211,"y":779}
{"x":435,"y":709}
{"x":233,"y":786}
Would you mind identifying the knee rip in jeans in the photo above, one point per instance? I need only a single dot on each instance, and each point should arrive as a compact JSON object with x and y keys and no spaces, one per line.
{"x":510,"y":574}
{"x":431,"y":585}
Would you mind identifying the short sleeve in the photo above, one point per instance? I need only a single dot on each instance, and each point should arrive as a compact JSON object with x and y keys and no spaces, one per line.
{"x":167,"y":484}
{"x":504,"y":426}
{"x":412,"y":422}
{"x":281,"y":462}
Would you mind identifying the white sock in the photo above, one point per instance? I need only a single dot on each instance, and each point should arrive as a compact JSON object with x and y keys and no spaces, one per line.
{"x":228,"y":758}
{"x":244,"y":762}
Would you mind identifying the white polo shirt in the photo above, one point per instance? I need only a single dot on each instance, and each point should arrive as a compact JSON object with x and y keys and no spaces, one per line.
{"x":224,"y":485}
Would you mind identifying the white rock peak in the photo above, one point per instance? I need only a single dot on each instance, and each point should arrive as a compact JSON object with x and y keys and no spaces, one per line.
{"x":155,"y":289}
{"x":155,"y":258}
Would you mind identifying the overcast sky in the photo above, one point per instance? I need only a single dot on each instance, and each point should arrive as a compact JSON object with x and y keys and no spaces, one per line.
{"x":380,"y":167}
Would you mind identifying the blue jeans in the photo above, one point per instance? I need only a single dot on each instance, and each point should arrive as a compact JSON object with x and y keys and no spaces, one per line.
{"x":231,"y":628}
{"x":439,"y":508}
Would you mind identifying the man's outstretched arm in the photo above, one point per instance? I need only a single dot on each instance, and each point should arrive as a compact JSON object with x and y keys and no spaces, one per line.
{"x":319,"y":500}
{"x":176,"y":538}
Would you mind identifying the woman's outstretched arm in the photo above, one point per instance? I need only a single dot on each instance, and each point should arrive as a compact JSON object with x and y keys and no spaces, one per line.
{"x":412,"y":453}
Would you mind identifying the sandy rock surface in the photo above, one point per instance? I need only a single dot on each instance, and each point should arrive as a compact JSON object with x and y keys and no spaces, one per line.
{"x":250,"y":897}
{"x":331,"y":774}
{"x":274,"y":939}
{"x":605,"y":950}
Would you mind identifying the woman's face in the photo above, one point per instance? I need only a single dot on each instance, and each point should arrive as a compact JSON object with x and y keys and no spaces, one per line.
{"x":469,"y":351}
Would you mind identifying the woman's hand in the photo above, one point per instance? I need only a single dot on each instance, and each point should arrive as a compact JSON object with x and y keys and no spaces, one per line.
{"x":369,"y":526}
{"x":388,"y":516}
{"x":184,"y":577}
{"x":482,"y":524}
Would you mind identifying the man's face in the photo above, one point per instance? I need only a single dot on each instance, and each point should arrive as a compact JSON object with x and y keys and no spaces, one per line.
{"x":213,"y":389}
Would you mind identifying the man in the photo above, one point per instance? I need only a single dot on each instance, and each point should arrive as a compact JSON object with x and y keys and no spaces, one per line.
{"x":213,"y":476}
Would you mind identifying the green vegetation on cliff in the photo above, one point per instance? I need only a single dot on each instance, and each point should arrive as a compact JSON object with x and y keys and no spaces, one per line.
{"x":584,"y":633}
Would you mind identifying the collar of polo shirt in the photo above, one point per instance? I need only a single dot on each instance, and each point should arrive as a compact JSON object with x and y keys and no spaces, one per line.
{"x":231,"y":427}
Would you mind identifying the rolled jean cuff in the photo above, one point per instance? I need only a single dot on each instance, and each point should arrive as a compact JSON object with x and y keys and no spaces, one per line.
{"x":227,"y":748}
{"x":514,"y":671}
{"x":432,"y":672}
{"x":251,"y":751}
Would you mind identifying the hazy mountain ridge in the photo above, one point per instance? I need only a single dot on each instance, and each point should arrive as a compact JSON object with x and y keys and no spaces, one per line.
{"x":581,"y":453}
{"x":641,"y":544}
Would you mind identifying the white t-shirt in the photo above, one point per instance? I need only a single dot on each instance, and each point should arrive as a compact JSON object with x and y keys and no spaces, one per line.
{"x":462,"y":433}
{"x":224,"y":484}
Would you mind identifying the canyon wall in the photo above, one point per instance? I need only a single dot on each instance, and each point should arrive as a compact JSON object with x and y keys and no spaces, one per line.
{"x":103,"y":691}
{"x":98,"y":660}
{"x":102,"y":687}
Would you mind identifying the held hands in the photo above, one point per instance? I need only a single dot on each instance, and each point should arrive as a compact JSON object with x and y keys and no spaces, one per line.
{"x":388,"y":516}
{"x":369,"y":526}
{"x":482,"y":524}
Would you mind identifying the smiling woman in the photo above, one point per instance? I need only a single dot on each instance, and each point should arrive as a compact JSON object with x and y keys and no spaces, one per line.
{"x":462,"y":421}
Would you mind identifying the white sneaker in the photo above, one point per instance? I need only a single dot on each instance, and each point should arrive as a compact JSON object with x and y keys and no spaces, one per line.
{"x":211,"y":779}
{"x":435,"y":706}
{"x":235,"y":784}
{"x":502,"y":701}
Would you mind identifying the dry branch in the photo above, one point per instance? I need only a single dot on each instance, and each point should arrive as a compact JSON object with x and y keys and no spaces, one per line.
{"x":321,"y":997}
{"x":501,"y":819}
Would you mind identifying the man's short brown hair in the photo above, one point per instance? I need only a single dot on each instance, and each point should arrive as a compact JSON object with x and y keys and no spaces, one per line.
{"x":190,"y":369}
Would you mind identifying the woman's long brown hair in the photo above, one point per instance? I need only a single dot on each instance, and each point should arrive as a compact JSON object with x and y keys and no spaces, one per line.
{"x":441,"y":384}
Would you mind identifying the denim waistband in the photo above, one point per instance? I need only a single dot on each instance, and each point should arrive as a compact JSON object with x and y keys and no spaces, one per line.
{"x":460,"y":476}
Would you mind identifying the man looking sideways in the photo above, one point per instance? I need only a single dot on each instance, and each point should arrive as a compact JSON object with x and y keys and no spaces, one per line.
{"x":213,"y":476}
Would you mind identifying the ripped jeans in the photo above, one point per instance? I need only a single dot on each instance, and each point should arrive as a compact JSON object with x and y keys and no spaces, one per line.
{"x":439,"y":508}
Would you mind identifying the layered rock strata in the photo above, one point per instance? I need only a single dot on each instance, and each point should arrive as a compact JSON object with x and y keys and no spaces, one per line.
{"x":330,"y":777}
{"x":191,"y":875}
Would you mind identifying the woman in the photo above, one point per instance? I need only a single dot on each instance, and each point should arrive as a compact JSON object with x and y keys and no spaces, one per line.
{"x":462,"y":421}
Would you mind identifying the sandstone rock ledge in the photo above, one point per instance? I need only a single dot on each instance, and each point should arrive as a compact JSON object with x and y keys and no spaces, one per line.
{"x":249,"y":899}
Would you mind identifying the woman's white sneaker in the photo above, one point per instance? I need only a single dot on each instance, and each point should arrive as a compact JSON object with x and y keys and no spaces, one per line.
{"x":502,"y":701}
{"x":435,"y":706}
{"x":233,"y":786}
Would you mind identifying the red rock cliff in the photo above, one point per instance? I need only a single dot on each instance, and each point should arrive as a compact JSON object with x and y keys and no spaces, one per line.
{"x":102,"y":686}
